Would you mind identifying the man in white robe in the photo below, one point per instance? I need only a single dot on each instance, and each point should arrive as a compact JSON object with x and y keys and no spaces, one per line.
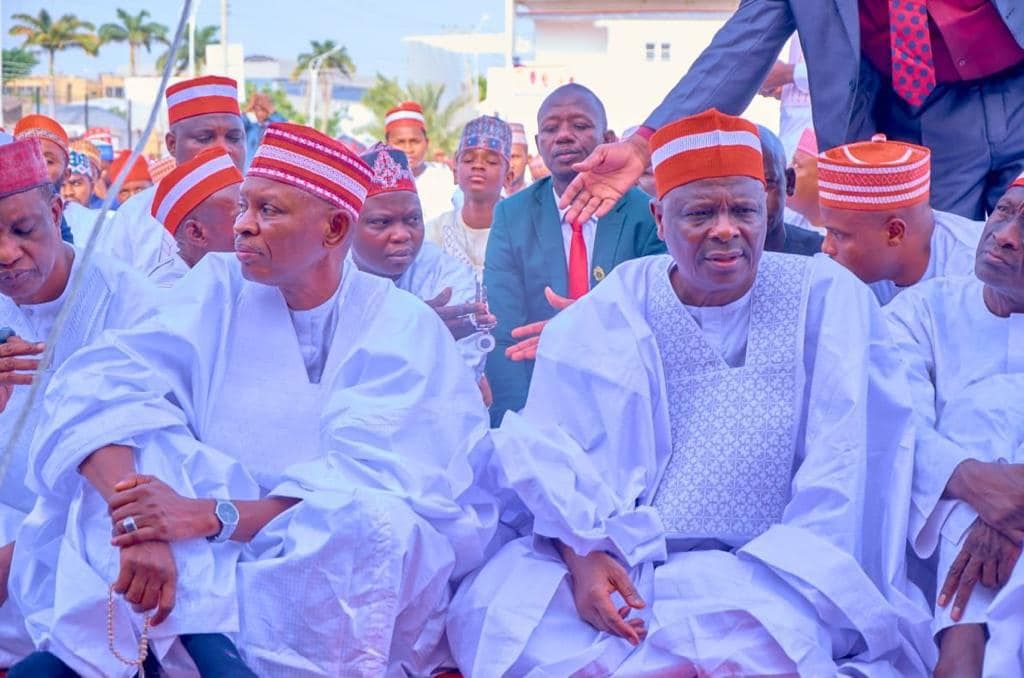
{"x":964,"y":340}
{"x":203,"y":113}
{"x":35,"y":269}
{"x":874,"y":198}
{"x":705,"y":455}
{"x":389,"y":242}
{"x":197,"y":203}
{"x":327,"y":407}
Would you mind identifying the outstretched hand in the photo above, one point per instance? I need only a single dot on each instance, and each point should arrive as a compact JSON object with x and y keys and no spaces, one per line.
{"x":604,"y":177}
{"x":529,"y":335}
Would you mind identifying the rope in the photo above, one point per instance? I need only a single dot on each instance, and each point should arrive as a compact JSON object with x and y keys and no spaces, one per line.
{"x":75,"y":284}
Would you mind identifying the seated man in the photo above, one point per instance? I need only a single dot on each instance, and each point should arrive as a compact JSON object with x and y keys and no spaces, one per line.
{"x":80,"y":211}
{"x":35,"y":267}
{"x":482,"y":164}
{"x":203,"y":113}
{"x":197,"y":203}
{"x":803,"y":209}
{"x":964,"y":340}
{"x":781,"y":236}
{"x":54,"y":141}
{"x":388,"y":242}
{"x":531,"y":246}
{"x":875,"y":205}
{"x":315,"y":417}
{"x":675,"y":533}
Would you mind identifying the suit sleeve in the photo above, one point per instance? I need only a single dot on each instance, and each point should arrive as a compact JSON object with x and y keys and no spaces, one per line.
{"x":647,"y":240}
{"x":506,"y":297}
{"x":729,"y":71}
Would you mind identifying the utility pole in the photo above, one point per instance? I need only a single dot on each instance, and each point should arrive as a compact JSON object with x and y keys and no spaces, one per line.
{"x":510,"y":32}
{"x":192,"y":40}
{"x":224,"y":33}
{"x":1,"y":67}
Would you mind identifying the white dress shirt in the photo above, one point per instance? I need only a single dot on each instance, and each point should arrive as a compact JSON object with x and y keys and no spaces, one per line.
{"x":589,"y":232}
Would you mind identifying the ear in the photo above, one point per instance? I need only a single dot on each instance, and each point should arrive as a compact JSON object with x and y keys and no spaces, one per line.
{"x":338,"y":229}
{"x":171,"y":141}
{"x":895,"y":231}
{"x":657,"y":212}
{"x":56,"y":209}
{"x":790,"y":182}
{"x":509,"y":175}
{"x":193,"y":231}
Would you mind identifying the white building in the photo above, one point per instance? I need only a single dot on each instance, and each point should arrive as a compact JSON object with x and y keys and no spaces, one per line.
{"x":630,"y":52}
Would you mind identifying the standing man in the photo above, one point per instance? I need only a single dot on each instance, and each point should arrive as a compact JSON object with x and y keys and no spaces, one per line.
{"x":881,"y":225}
{"x":955,"y":84}
{"x":405,"y":128}
{"x":533,"y":246}
{"x":55,"y":145}
{"x":203,"y":113}
{"x":261,"y":106}
{"x":517,"y":159}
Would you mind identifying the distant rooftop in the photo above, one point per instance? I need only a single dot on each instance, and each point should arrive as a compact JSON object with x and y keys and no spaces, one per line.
{"x":588,"y":7}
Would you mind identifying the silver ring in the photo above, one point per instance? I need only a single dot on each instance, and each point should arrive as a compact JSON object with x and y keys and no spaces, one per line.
{"x":128,"y":525}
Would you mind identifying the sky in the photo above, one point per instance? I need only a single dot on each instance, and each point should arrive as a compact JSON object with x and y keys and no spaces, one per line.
{"x":372,"y":30}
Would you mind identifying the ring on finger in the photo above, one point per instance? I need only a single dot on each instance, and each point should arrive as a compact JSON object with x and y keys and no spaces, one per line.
{"x":129,"y":525}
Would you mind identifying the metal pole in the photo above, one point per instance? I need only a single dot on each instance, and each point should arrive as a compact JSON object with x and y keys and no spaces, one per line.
{"x":314,"y":74}
{"x":224,"y":33}
{"x":86,"y":109}
{"x":192,"y":40}
{"x":510,"y":32}
{"x":1,"y":67}
{"x":37,"y":97}
{"x":131,"y":142}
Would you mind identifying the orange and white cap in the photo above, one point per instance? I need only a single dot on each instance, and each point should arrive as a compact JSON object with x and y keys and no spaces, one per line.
{"x":311,"y":161}
{"x":202,"y":96}
{"x":1019,"y":181}
{"x":407,"y":111}
{"x":190,"y":183}
{"x":873,"y":176}
{"x":158,"y":169}
{"x":708,"y":145}
{"x":42,"y":127}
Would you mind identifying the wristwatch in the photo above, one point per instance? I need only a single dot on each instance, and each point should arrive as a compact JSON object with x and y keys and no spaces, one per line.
{"x":227,"y":514}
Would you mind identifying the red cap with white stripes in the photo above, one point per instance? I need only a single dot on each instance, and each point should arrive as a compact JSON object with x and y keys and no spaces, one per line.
{"x":201,"y":96}
{"x":190,"y":183}
{"x":874,"y":176}
{"x":302,"y":157}
{"x":405,"y":112}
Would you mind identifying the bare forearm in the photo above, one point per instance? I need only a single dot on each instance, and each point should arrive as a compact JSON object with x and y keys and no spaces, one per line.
{"x":107,"y":466}
{"x":254,"y":515}
{"x":962,"y":482}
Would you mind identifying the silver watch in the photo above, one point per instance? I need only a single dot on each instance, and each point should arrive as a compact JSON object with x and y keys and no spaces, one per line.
{"x":227,"y":514}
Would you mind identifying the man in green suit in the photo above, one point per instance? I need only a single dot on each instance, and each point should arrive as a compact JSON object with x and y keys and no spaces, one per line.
{"x":531,"y":248}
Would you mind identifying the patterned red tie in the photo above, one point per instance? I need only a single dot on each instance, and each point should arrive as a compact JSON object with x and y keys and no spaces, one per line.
{"x":579,"y":278}
{"x":913,"y":72}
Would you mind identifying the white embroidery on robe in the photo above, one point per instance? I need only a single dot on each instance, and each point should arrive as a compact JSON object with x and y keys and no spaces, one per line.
{"x":733,"y":429}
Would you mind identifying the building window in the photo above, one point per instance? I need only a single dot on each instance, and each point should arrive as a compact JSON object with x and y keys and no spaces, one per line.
{"x":666,"y":51}
{"x":650,"y":51}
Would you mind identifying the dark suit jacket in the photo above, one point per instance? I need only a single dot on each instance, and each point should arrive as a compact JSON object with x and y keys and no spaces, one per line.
{"x":843,"y":86}
{"x":526,"y":253}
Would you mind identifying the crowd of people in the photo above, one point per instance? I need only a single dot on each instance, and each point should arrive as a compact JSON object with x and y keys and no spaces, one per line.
{"x":313,"y":411}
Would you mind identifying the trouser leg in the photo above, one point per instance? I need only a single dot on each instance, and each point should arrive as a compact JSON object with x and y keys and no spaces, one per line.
{"x":215,"y":655}
{"x":41,"y":665}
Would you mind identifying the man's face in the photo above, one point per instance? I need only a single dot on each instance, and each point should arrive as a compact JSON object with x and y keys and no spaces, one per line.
{"x":29,"y":245}
{"x":775,"y":194}
{"x":389,"y":233}
{"x":481,"y":173}
{"x":130,"y":188}
{"x":56,"y":161}
{"x":190,"y":136}
{"x":410,"y":139}
{"x":569,"y":129}
{"x":805,"y":194}
{"x":279,"y":232}
{"x":77,"y":188}
{"x":1000,"y":259}
{"x":517,"y":163}
{"x":715,"y":231}
{"x":217,"y":215}
{"x":860,"y":241}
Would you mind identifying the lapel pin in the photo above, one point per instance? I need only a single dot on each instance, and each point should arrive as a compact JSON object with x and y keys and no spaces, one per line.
{"x":598,"y":273}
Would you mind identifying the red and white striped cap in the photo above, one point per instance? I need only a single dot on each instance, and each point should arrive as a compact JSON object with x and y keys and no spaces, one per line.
{"x":190,"y":183}
{"x":21,"y":166}
{"x":302,"y":157}
{"x":201,"y":96}
{"x":407,"y":111}
{"x":708,"y":145}
{"x":1019,"y":181}
{"x":158,"y":169}
{"x":873,"y":176}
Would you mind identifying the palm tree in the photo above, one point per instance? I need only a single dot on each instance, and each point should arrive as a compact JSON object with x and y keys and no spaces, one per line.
{"x":207,"y":35}
{"x":334,"y":61}
{"x":443,"y":126}
{"x":136,"y":30}
{"x":67,"y":32}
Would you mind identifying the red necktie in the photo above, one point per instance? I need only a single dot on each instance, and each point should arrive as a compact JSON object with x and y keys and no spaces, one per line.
{"x":913,"y":72}
{"x":579,"y":277}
